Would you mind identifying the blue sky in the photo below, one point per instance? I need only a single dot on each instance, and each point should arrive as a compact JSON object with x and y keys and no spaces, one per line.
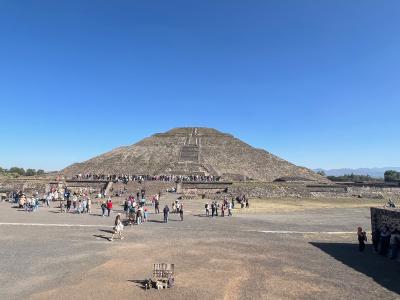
{"x":315,"y":82}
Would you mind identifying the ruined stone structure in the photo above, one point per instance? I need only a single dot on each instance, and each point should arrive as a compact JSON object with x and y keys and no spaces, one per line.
{"x":193,"y":151}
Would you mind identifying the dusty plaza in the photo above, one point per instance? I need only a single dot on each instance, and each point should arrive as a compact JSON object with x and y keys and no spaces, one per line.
{"x":276,"y":249}
{"x":215,"y":219}
{"x":199,"y":150}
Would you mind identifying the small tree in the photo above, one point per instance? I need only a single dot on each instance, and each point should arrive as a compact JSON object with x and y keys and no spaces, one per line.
{"x":322,"y":173}
{"x":19,"y":171}
{"x":40,"y":172}
{"x":391,"y":175}
{"x":30,"y":172}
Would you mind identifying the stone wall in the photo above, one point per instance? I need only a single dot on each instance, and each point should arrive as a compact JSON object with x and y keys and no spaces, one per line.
{"x":385,"y":217}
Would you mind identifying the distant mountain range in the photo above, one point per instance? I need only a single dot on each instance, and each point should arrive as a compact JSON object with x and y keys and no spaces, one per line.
{"x":373,"y":172}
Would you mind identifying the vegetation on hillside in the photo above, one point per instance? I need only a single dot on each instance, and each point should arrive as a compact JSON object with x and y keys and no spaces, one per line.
{"x":21,"y":171}
{"x":352,"y":178}
{"x":391,"y":175}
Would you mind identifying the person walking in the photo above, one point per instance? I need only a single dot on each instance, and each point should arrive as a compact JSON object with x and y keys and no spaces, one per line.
{"x":181,"y":211}
{"x":212,"y":209}
{"x":166,"y":213}
{"x":118,"y":227}
{"x":362,"y":238}
{"x":229,"y":209}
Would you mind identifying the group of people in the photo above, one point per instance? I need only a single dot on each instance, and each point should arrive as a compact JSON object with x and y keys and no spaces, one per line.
{"x":136,"y":211}
{"x":384,"y":241}
{"x":177,"y":208}
{"x":243,"y":201}
{"x":29,"y":204}
{"x":125,"y":178}
{"x":224,"y":208}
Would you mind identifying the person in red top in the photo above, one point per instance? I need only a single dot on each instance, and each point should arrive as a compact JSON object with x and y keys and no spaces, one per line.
{"x":109,"y":206}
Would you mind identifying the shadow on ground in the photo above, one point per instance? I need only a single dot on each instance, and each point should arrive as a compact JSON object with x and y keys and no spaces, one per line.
{"x":107,"y":231}
{"x":384,"y":271}
{"x":140,"y":283}
{"x":102,"y":236}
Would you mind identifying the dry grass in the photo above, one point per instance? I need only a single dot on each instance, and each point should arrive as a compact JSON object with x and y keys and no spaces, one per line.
{"x":290,"y":204}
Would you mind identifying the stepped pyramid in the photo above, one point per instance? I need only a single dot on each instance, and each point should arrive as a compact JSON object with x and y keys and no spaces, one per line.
{"x":190,"y":151}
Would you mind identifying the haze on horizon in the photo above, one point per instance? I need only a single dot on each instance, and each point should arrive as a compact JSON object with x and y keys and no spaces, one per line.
{"x":315,"y":83}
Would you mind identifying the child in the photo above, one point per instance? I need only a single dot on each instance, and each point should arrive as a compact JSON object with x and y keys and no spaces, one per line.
{"x":362,"y":238}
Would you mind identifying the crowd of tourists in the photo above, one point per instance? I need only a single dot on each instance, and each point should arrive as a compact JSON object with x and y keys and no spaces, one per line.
{"x":125,"y":178}
{"x":384,"y":241}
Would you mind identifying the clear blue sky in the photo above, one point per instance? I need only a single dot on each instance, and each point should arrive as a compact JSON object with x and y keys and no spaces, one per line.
{"x":315,"y":82}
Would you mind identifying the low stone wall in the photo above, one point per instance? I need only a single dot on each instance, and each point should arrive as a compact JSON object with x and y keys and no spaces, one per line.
{"x":376,"y":192}
{"x":385,"y":217}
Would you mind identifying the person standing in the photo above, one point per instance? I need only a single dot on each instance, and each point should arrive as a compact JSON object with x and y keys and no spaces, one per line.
{"x":394,"y":244}
{"x":362,"y":238}
{"x":207,"y":207}
{"x":89,"y":205}
{"x":181,"y":211}
{"x":212,"y":209}
{"x":166,"y":213}
{"x":157,"y":206}
{"x":376,"y":234}
{"x":384,"y":241}
{"x":103,"y":208}
{"x":84,"y":204}
{"x":48,"y":199}
{"x":139,"y":216}
{"x":109,"y":206}
{"x":229,"y":209}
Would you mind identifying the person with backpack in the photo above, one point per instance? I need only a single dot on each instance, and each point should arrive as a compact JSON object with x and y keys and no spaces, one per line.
{"x":362,"y":238}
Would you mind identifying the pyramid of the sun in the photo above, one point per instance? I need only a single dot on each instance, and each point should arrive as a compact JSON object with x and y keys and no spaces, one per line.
{"x":191,"y":151}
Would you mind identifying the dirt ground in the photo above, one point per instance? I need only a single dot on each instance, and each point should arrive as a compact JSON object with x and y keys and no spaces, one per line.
{"x":291,"y":204}
{"x":277,"y":249}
